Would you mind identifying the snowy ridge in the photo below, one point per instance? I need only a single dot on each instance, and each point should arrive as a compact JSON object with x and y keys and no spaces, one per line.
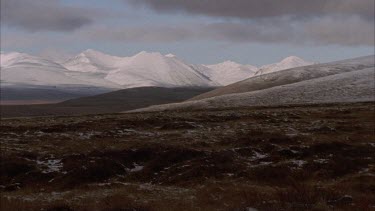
{"x":24,"y":69}
{"x":92,"y":61}
{"x":13,"y":59}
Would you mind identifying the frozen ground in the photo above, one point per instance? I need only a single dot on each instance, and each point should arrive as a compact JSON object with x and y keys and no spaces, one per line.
{"x":267,"y":158}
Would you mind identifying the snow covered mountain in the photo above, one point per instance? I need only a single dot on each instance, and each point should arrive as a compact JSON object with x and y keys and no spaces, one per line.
{"x":94,"y":68}
{"x":23,"y":69}
{"x":141,"y":70}
{"x":229,"y":72}
{"x":287,"y":63}
{"x":155,"y":69}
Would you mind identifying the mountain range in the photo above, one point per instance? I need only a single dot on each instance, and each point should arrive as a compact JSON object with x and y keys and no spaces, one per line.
{"x":95,"y":69}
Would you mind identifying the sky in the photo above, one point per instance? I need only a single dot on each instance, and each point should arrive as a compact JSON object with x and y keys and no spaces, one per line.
{"x":253,"y":32}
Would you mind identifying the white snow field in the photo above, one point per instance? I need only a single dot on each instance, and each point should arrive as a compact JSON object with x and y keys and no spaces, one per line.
{"x":289,"y":76}
{"x":357,"y":85}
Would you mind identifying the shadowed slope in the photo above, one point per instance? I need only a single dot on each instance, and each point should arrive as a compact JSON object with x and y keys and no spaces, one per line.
{"x":111,"y":102}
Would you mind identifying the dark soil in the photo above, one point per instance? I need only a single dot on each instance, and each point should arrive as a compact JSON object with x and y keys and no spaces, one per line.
{"x":318,"y":157}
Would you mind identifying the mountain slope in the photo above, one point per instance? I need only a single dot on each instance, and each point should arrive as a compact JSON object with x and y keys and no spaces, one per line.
{"x":229,"y":72}
{"x":138,"y":97}
{"x":291,"y":76}
{"x":155,"y":69}
{"x":355,"y":86}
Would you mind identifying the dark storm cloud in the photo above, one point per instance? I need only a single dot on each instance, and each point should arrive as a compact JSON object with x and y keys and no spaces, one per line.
{"x":39,"y":15}
{"x":263,"y":8}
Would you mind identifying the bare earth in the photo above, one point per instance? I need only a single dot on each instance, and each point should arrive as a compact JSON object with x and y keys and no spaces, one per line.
{"x":319,"y":157}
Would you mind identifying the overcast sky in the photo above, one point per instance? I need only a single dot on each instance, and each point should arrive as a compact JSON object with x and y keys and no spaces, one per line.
{"x":247,"y":31}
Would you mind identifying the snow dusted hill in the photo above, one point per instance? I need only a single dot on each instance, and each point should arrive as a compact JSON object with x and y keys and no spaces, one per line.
{"x":291,"y":76}
{"x":155,"y":69}
{"x":354,"y":86}
{"x":287,"y":63}
{"x":229,"y":72}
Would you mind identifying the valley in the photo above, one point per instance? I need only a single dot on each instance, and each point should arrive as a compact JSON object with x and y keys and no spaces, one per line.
{"x":190,"y":105}
{"x":109,"y":102}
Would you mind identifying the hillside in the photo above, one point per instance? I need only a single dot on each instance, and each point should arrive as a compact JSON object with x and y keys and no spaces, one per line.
{"x":355,"y":86}
{"x":289,"y":76}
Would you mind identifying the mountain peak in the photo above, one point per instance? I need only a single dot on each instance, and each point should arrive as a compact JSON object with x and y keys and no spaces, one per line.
{"x":170,"y":55}
{"x":293,"y":59}
{"x":148,"y":54}
{"x":230,"y":62}
{"x":287,"y":63}
{"x":92,"y":53}
{"x":225,"y":63}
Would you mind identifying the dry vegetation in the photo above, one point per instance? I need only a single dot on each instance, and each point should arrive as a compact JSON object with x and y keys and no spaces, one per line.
{"x":283,"y":158}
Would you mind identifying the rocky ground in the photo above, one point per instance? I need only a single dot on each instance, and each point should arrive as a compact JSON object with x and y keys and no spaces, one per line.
{"x":319,"y":157}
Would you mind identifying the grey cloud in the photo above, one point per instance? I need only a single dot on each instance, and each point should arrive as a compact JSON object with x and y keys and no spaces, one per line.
{"x":151,"y":34}
{"x":321,"y":31}
{"x":349,"y":32}
{"x":322,"y":22}
{"x":263,"y":8}
{"x":43,"y":15}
